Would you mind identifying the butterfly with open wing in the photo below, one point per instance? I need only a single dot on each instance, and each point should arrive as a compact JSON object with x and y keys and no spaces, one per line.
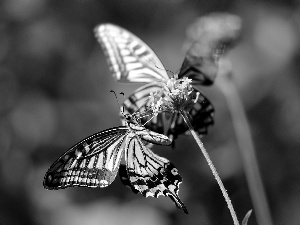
{"x":94,"y":162}
{"x":131,"y":60}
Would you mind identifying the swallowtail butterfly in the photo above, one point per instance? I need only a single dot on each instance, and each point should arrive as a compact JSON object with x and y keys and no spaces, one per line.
{"x":131,"y":60}
{"x":95,"y":161}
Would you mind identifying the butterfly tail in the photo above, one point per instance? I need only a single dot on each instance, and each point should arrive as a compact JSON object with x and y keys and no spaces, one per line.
{"x":174,"y":197}
{"x":172,"y":181}
{"x":179,"y":204}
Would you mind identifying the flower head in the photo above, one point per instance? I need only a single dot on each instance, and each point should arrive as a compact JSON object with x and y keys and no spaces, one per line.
{"x":176,"y":95}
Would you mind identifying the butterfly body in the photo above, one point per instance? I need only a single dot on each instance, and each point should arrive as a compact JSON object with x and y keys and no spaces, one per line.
{"x":95,"y":161}
{"x":132,"y":60}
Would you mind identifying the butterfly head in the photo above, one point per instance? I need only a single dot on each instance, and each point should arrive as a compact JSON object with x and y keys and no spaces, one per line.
{"x":131,"y":119}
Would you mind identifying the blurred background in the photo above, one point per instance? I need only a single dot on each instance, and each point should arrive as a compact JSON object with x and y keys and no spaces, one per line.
{"x":54,"y":91}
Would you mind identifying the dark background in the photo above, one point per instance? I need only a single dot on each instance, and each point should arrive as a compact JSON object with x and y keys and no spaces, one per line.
{"x":54,"y":91}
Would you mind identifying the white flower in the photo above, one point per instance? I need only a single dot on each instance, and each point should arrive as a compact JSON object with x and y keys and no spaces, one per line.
{"x":177,"y":94}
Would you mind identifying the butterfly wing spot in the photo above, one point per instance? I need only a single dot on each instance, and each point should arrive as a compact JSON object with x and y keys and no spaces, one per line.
{"x":49,"y":178}
{"x":174,"y":171}
{"x":154,"y":179}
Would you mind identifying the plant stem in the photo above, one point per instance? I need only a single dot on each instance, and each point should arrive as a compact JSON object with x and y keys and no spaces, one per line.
{"x":246,"y":148}
{"x":211,"y":166}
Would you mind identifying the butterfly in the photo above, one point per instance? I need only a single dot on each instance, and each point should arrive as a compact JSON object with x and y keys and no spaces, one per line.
{"x":94,"y":162}
{"x":131,"y":60}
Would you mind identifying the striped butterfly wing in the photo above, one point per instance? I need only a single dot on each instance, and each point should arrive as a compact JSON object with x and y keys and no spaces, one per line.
{"x":93,"y":162}
{"x":148,"y":173}
{"x":200,"y":64}
{"x":130,"y":59}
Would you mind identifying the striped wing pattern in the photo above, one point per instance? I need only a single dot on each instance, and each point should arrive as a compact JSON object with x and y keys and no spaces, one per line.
{"x":93,"y":162}
{"x":150,"y":174}
{"x":130,"y":59}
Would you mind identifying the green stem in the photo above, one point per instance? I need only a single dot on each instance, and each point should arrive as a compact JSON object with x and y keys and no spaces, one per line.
{"x":211,"y":166}
{"x":246,"y":148}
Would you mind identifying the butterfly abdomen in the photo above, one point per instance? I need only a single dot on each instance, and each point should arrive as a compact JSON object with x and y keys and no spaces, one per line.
{"x":149,"y":136}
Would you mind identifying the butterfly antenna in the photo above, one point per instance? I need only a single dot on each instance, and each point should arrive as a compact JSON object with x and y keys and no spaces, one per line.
{"x":117,"y":100}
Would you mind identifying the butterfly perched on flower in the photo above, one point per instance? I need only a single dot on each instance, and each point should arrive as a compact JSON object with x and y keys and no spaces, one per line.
{"x":131,"y":60}
{"x":94,"y":162}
